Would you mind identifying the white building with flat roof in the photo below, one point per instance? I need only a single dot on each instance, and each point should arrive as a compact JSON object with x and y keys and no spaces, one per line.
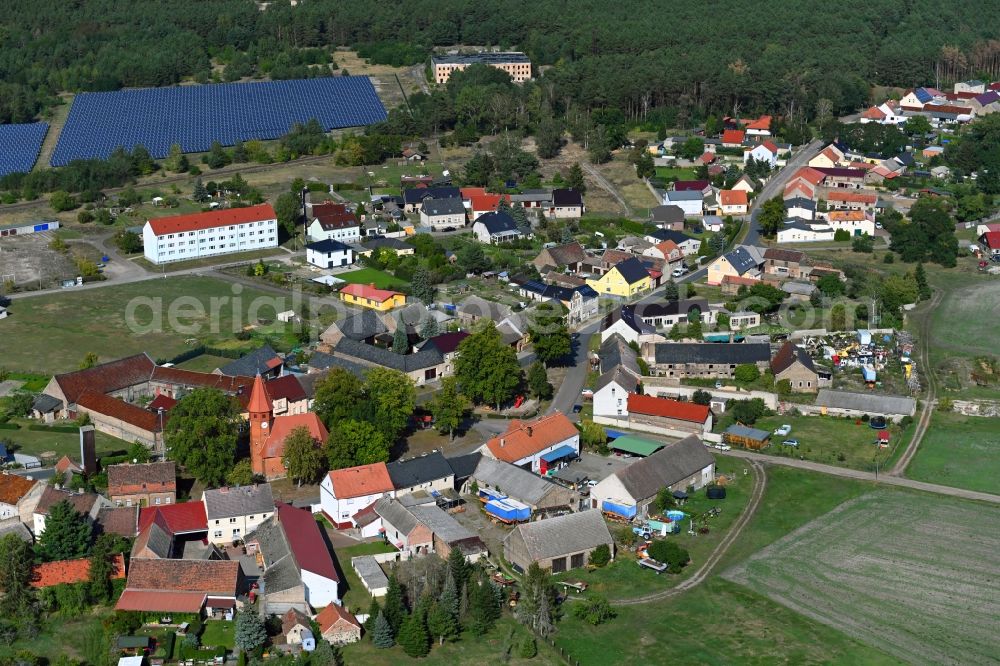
{"x":217,"y":232}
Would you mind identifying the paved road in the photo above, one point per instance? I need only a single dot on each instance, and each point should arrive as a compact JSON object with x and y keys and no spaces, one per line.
{"x":867,"y":476}
{"x":776,"y":186}
{"x":569,"y":390}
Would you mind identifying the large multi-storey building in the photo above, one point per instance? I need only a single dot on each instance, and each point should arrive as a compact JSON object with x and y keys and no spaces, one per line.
{"x":514,"y":63}
{"x":183,"y":237}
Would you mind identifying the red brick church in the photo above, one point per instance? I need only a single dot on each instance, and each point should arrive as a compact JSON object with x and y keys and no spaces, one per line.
{"x":268,"y":432}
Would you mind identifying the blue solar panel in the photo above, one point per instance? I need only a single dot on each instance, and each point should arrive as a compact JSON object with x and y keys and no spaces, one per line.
{"x":19,"y":146}
{"x":195,"y":116}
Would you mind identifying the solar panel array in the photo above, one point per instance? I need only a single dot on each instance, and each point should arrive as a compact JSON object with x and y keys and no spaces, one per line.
{"x":19,"y":146}
{"x":195,"y":116}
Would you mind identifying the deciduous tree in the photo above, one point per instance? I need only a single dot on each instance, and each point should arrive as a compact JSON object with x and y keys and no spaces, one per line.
{"x":303,"y":456}
{"x":250,"y":631}
{"x":449,"y":406}
{"x":487,"y":368}
{"x":201,"y":434}
{"x":353,"y":442}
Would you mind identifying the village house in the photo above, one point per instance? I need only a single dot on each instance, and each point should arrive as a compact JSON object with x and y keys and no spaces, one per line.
{"x":794,"y":364}
{"x":498,"y":478}
{"x":580,"y":302}
{"x":440,"y":214}
{"x":296,"y":629}
{"x":263,"y":361}
{"x":566,"y":204}
{"x":532,"y":198}
{"x":611,"y":392}
{"x":800,"y":207}
{"x":19,"y":496}
{"x":396,"y":246}
{"x":839,"y":199}
{"x":414,"y":197}
{"x":399,"y":526}
{"x":287,"y":395}
{"x":733,"y":138}
{"x":495,"y":228}
{"x":665,"y":314}
{"x":338,"y":626}
{"x":691,"y":202}
{"x":329,"y":254}
{"x":830,"y":156}
{"x":182,"y":586}
{"x":687,"y":244}
{"x":422,"y":366}
{"x":232,"y":513}
{"x":746,"y":184}
{"x":515,"y":63}
{"x":568,"y":256}
{"x":743,"y":261}
{"x":626,"y":279}
{"x":856,"y":405}
{"x":803,"y":231}
{"x":682,"y":360}
{"x":679,"y":466}
{"x":765,"y":152}
{"x":87,"y":505}
{"x":269,"y":432}
{"x":626,"y":323}
{"x":144,"y":484}
{"x":369,"y":296}
{"x":557,"y":544}
{"x":667,"y":217}
{"x":854,"y":222}
{"x":733,"y":202}
{"x":663,"y":416}
{"x":344,"y":493}
{"x":536,"y":445}
{"x":166,"y":531}
{"x":429,"y":472}
{"x":790,"y":264}
{"x":447,"y":533}
{"x":333,"y":221}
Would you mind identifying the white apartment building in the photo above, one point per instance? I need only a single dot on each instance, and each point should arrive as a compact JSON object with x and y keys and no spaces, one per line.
{"x":184,"y":237}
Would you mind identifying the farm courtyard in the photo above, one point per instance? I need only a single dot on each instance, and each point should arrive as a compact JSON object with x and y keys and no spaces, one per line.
{"x":911,"y":574}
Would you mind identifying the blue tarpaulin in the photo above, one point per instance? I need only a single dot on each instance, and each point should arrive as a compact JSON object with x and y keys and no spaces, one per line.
{"x":508,"y":509}
{"x":613,"y":434}
{"x":562,"y":452}
{"x":623,"y":510}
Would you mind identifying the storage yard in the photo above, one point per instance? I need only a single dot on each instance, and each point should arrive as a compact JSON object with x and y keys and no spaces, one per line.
{"x":913,"y":575}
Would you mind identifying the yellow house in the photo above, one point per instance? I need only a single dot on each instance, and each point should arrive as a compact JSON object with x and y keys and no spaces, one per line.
{"x":627,"y":278}
{"x":368,"y":296}
{"x":743,"y":261}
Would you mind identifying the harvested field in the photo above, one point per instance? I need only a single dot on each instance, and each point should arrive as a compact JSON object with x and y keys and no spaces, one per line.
{"x":913,"y":575}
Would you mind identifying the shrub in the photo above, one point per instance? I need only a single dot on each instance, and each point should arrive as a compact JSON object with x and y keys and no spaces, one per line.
{"x":841,"y":235}
{"x":595,"y":610}
{"x":600,"y":555}
{"x":528,"y":648}
{"x":669,"y":553}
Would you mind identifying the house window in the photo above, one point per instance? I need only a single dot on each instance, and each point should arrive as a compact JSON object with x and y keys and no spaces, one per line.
{"x":236,"y":531}
{"x":232,"y":521}
{"x":216,"y":522}
{"x":576,"y":561}
{"x":158,"y":499}
{"x":128,"y":502}
{"x":559,"y":565}
{"x":217,"y":534}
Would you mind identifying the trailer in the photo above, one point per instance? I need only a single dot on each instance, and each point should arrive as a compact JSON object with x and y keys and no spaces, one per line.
{"x":508,"y":511}
{"x":619,"y":511}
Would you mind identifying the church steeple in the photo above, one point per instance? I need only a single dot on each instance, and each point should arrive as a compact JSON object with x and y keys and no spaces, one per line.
{"x":261,"y":417}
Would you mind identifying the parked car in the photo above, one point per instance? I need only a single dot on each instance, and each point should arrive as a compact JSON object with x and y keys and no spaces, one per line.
{"x":783,"y":430}
{"x":791,"y":442}
{"x":587,"y":393}
{"x":591,"y":482}
{"x":577,"y":408}
{"x":722,"y":446}
{"x":679,"y":271}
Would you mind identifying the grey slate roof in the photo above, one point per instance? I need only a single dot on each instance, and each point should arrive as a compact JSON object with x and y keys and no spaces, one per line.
{"x":800,"y":202}
{"x":741,"y":260}
{"x":241,"y":501}
{"x":425,"y":358}
{"x":750,"y":433}
{"x":615,"y":352}
{"x":669,"y":234}
{"x":397,"y":515}
{"x":626,"y":313}
{"x":515,"y":482}
{"x":620,"y":376}
{"x":328,"y":246}
{"x":480,"y":307}
{"x":16,"y":527}
{"x":417,"y":194}
{"x":365,"y":324}
{"x":369,"y":571}
{"x":441,"y":524}
{"x":159,"y":542}
{"x":566,"y":197}
{"x":667,"y":308}
{"x":280,"y":570}
{"x":632,"y":270}
{"x":447,"y":206}
{"x":422,"y":469}
{"x":498,"y":223}
{"x":684,"y":195}
{"x":866,"y":402}
{"x":668,"y":214}
{"x":563,"y":535}
{"x":798,"y":288}
{"x":322,"y":361}
{"x":721,"y":353}
{"x":464,"y":466}
{"x":45,"y":404}
{"x":673,"y":463}
{"x":254,"y":363}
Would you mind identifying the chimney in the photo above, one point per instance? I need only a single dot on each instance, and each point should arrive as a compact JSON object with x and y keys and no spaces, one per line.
{"x":529,"y":431}
{"x":88,"y":450}
{"x":503,"y":442}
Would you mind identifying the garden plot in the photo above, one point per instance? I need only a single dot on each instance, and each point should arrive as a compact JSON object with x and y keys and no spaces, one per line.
{"x":913,"y":575}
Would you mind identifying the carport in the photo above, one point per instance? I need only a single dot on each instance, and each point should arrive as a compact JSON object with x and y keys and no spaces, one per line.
{"x":636,"y":446}
{"x":556,"y":455}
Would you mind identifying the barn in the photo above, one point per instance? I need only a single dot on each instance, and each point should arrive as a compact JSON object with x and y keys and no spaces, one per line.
{"x":747,"y":438}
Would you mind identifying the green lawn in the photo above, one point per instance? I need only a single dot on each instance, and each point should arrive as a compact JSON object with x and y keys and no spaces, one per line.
{"x":80,"y":637}
{"x":960,"y":451}
{"x":54,"y":445}
{"x":52,"y":333}
{"x":830,"y":440}
{"x":677,"y":173}
{"x":219,"y":633}
{"x":355,"y":596}
{"x":381,"y":279}
{"x":206,"y":262}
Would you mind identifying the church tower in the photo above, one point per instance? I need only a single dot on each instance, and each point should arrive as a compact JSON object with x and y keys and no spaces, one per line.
{"x":261,"y":418}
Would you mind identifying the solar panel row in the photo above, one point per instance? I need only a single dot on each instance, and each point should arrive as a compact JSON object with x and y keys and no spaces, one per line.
{"x":195,"y":116}
{"x":19,"y":146}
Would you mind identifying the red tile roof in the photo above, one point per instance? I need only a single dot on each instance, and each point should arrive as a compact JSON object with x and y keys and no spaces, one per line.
{"x":873,"y":113}
{"x":850,"y":197}
{"x":733,"y":136}
{"x":332,"y":215}
{"x":770,"y":146}
{"x":333,"y":614}
{"x":286,"y":388}
{"x":811,"y":175}
{"x":306,"y":541}
{"x":260,"y":402}
{"x":992,"y":239}
{"x":526,"y":439}
{"x":130,"y":479}
{"x":48,"y":574}
{"x":361,"y":480}
{"x":107,"y":377}
{"x":368,"y":291}
{"x":216,"y":218}
{"x":182,"y":518}
{"x":116,"y":408}
{"x":81,"y":502}
{"x":486,"y":202}
{"x":190,"y":378}
{"x":66,"y":464}
{"x":690,"y":185}
{"x":282,"y":427}
{"x":161,"y":602}
{"x":13,"y":488}
{"x":162,"y":401}
{"x":733,"y":198}
{"x":667,"y":408}
{"x":762,"y":123}
{"x":840,"y":172}
{"x":209,"y":577}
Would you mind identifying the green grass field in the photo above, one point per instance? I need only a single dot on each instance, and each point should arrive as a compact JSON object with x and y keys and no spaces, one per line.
{"x":219,"y":633}
{"x":52,"y":333}
{"x":205,"y":363}
{"x":52,"y":445}
{"x":960,"y":451}
{"x":381,"y":279}
{"x":252,"y":255}
{"x":355,"y":596}
{"x":911,"y":573}
{"x":830,"y":440}
{"x":677,"y":173}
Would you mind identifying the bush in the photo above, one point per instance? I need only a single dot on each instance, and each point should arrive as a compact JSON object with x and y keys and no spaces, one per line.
{"x":600,"y":555}
{"x":595,"y":610}
{"x":669,"y":553}
{"x":746,"y":373}
{"x":84,"y":217}
{"x":842,"y":235}
{"x":528,"y":648}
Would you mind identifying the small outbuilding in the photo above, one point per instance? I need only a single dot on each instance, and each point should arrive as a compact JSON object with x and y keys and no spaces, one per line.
{"x":558,"y":544}
{"x":747,"y":438}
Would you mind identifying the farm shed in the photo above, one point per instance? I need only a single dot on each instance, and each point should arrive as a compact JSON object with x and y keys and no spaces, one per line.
{"x":558,"y":544}
{"x":847,"y":403}
{"x":371,"y":575}
{"x":502,"y":479}
{"x":748,"y":438}
{"x":636,"y":446}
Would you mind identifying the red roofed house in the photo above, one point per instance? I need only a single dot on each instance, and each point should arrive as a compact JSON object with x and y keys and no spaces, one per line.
{"x":991,"y":241}
{"x":338,"y":626}
{"x":161,"y":528}
{"x":19,"y":496}
{"x":333,"y":221}
{"x":480,"y":204}
{"x":269,"y":432}
{"x":840,"y":199}
{"x":346,"y":492}
{"x":68,"y":572}
{"x":147,"y":484}
{"x":665,"y":416}
{"x":195,"y":235}
{"x":368,"y":296}
{"x":760,"y":127}
{"x":182,"y":586}
{"x":537,"y":445}
{"x":732,"y":138}
{"x":762,"y":152}
{"x":733,"y":202}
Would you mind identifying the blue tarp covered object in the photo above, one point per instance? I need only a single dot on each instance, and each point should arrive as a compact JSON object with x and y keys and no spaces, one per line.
{"x":613,"y":434}
{"x":508,"y":509}
{"x":623,"y":510}
{"x":562,"y":452}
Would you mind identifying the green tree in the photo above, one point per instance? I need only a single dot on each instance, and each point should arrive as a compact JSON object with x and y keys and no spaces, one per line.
{"x":575,"y":180}
{"x":128,"y":242}
{"x":669,"y":553}
{"x":830,"y":285}
{"x":400,"y":342}
{"x":593,"y":435}
{"x":600,"y":556}
{"x":392,"y":397}
{"x":201,"y":434}
{"x":63,"y":201}
{"x":217,"y":156}
{"x":746,"y":373}
{"x":594,"y":610}
{"x":548,"y":138}
{"x":67,"y":534}
{"x":303,"y":457}
{"x":382,"y":636}
{"x":520,"y":216}
{"x":549,"y":336}
{"x":692,"y":148}
{"x":841,"y":235}
{"x":102,"y":566}
{"x":538,"y":597}
{"x":484,"y":609}
{"x":421,"y":285}
{"x":528,"y":648}
{"x":448,"y":407}
{"x":241,"y":474}
{"x":449,"y":599}
{"x":286,"y":207}
{"x":487,"y":368}
{"x":339,"y":396}
{"x":429,"y":328}
{"x":538,"y":381}
{"x":413,"y":635}
{"x":392,"y":605}
{"x":701,"y":397}
{"x":19,"y":602}
{"x":772,"y":216}
{"x":864,"y":244}
{"x":250,"y":631}
{"x":200,"y":192}
{"x":89,"y":361}
{"x":838,"y":317}
{"x":670,"y":291}
{"x":920,"y":278}
{"x":138,"y":453}
{"x":917,"y":126}
{"x":459,"y":569}
{"x":664,"y":500}
{"x":353,"y":442}
{"x":441,"y":623}
{"x":173,"y":160}
{"x":374,"y":609}
{"x":472,"y":259}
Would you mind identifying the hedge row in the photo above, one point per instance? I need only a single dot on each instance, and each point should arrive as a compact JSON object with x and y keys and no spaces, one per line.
{"x":9,"y":426}
{"x":45,"y":428}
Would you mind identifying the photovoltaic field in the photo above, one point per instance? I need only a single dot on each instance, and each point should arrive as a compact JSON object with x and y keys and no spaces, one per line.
{"x":913,"y":575}
{"x":19,"y":146}
{"x":195,"y":116}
